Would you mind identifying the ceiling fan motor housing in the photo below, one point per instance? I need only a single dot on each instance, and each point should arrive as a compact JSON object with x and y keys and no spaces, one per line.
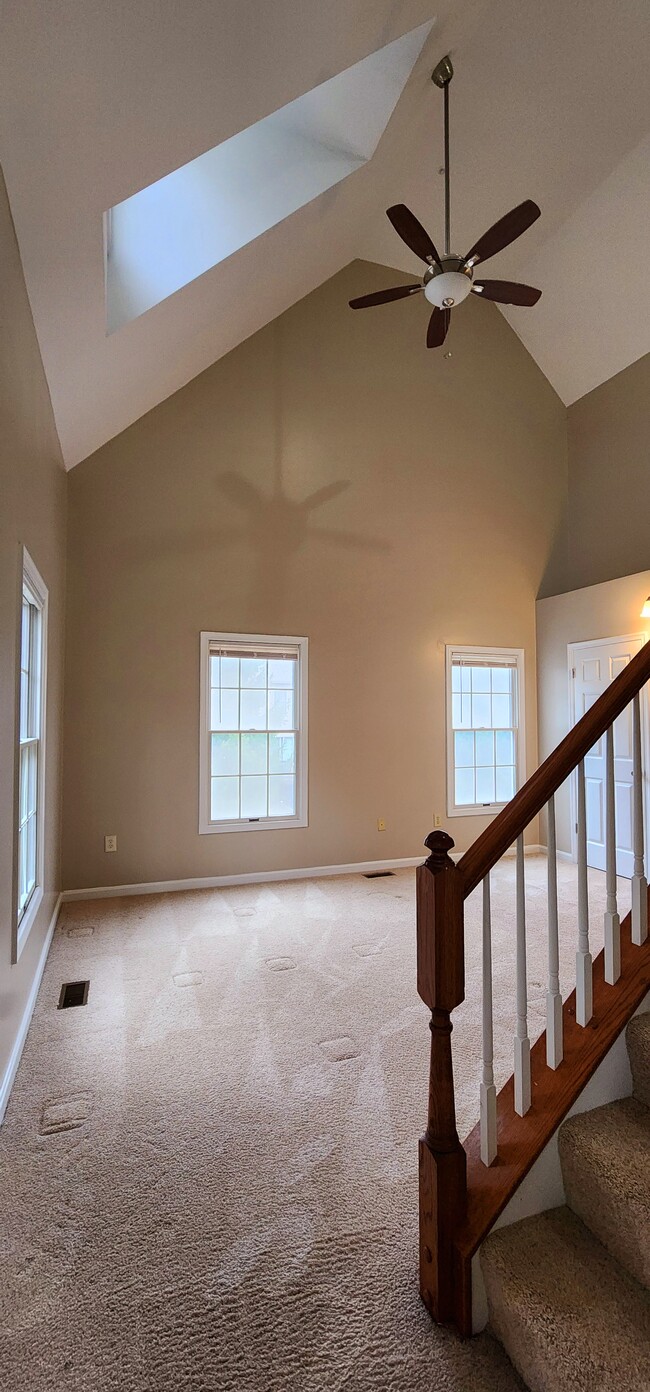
{"x":449,"y":284}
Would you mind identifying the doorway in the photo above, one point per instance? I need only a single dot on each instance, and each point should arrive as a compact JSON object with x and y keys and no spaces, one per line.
{"x":592,"y":666}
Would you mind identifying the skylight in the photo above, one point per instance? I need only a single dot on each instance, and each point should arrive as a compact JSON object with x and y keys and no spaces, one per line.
{"x":176,"y":229}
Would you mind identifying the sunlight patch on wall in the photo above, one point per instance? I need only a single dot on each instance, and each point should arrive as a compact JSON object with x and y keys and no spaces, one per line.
{"x":166,"y":235}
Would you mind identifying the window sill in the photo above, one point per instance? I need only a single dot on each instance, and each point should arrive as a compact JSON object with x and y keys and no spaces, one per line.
{"x":27,"y":921}
{"x":264,"y":824}
{"x":488,"y":809}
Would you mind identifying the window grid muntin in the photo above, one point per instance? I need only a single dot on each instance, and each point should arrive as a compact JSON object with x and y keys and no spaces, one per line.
{"x":235,"y":671}
{"x":484,"y":705}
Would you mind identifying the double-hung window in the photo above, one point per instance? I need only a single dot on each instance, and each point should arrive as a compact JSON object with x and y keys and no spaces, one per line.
{"x":253,"y":745}
{"x":31,"y":748}
{"x":485,"y":728}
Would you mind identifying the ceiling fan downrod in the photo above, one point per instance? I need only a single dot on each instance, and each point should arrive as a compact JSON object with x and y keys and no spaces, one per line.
{"x":448,"y":279}
{"x":442,"y":75}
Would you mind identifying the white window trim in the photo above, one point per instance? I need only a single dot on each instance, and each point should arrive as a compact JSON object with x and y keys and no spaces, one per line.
{"x":208,"y":827}
{"x":21,"y":929}
{"x":453,"y":650}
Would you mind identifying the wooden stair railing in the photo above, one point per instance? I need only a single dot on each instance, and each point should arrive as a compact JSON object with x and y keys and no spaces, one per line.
{"x":463,"y":1188}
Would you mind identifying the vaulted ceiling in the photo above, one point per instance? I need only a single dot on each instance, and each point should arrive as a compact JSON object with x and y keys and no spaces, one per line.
{"x":100,"y":98}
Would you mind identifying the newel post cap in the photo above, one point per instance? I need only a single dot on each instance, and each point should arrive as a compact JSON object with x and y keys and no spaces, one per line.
{"x":439,"y":843}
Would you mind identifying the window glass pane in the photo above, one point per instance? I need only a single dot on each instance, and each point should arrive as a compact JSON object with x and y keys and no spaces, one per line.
{"x":253,"y":671}
{"x":455,"y":677}
{"x":253,"y":753}
{"x":24,"y":636}
{"x":224,"y":799}
{"x":282,"y":796}
{"x":484,"y":747}
{"x":465,"y":678}
{"x":282,"y":753}
{"x":282,"y":672}
{"x":32,"y":779}
{"x":505,"y":784}
{"x":480,"y":678}
{"x":224,"y":709}
{"x":501,"y":711}
{"x":464,"y":787}
{"x":281,"y":710}
{"x":24,"y":784}
{"x":485,"y":785}
{"x":229,"y":671}
{"x":225,"y":754}
{"x":22,"y":842}
{"x":502,"y":679}
{"x":505,"y":747}
{"x":464,"y":749}
{"x":253,"y":797}
{"x":24,"y":705}
{"x":481,"y":713}
{"x":31,"y":853}
{"x":253,"y":709}
{"x":456,"y":712}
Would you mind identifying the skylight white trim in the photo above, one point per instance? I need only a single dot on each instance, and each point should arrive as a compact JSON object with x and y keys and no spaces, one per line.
{"x":165,"y":235}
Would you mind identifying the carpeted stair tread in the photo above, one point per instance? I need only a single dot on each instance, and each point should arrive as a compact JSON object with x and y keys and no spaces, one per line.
{"x":569,"y":1317}
{"x":605,"y":1158}
{"x":637,"y":1038}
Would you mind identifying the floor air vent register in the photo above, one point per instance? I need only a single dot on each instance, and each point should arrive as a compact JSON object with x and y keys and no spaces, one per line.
{"x":377,"y":874}
{"x":73,"y":993}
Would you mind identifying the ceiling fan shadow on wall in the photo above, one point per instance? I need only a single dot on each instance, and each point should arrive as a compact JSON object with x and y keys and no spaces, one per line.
{"x":449,"y":279}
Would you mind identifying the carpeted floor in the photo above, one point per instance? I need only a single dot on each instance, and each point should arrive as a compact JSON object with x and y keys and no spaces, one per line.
{"x":208,"y":1173}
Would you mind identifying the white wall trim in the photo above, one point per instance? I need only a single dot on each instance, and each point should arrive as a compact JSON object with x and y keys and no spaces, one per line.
{"x":311,"y":872}
{"x":19,"y":1043}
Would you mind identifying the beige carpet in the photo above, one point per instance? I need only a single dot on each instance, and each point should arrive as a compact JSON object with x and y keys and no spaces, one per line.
{"x":208,"y":1173}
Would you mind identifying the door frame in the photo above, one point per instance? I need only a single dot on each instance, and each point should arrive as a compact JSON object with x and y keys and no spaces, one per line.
{"x":572,"y":650}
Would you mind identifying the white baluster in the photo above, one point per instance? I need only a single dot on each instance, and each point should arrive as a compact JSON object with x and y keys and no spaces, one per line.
{"x":522,"y":1042}
{"x":488,"y":1092}
{"x":612,"y":920}
{"x":639,"y":882}
{"x":554,"y":1039}
{"x":584,"y":973}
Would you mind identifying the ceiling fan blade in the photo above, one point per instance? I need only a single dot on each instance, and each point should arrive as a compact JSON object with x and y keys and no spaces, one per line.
{"x":503,"y":232}
{"x":412,"y":232}
{"x":438,"y":325}
{"x":506,"y":292}
{"x":399,"y":292}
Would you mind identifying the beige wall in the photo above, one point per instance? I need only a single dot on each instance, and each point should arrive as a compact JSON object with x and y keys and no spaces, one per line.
{"x":609,"y":479}
{"x":454,"y":480}
{"x":32,"y":512}
{"x":608,"y":610}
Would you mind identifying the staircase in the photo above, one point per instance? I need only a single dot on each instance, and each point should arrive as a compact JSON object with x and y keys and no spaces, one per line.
{"x":569,"y":1290}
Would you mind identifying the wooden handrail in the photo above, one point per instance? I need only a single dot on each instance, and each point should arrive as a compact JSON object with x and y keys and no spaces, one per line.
{"x":488,"y":848}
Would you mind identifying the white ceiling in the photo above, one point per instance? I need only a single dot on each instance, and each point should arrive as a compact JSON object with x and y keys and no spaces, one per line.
{"x":100,"y":98}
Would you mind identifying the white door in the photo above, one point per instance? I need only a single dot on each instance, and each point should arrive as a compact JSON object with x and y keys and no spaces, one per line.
{"x":593,"y":666}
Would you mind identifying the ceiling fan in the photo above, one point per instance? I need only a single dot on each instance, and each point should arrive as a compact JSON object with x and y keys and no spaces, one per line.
{"x":449,"y":279}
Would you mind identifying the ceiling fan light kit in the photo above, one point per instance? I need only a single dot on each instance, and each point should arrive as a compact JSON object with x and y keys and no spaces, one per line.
{"x":449,"y":279}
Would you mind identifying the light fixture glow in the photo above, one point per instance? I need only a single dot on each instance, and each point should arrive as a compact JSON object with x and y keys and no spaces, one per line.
{"x":449,"y":288}
{"x":645,"y":612}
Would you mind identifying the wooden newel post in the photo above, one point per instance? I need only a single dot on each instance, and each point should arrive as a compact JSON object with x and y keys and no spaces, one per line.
{"x":441,"y":984}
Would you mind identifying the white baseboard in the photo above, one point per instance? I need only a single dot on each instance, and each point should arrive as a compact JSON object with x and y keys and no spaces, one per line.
{"x":311,"y":872}
{"x":14,"y":1058}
